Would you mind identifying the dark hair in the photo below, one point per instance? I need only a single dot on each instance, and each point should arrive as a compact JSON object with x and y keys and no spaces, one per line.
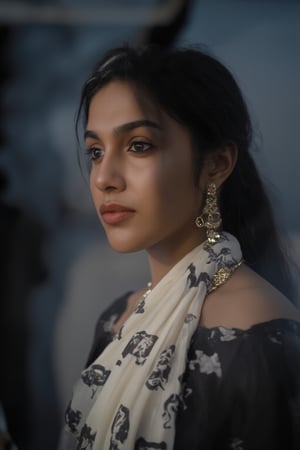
{"x":199,"y":92}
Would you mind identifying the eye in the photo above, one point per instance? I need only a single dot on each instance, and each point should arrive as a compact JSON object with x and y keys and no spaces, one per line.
{"x":94,"y":153}
{"x":140,"y":147}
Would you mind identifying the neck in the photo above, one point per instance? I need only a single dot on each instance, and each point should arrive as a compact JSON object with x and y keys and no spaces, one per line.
{"x":163,"y":257}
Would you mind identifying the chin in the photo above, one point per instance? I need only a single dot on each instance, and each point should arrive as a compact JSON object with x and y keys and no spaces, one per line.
{"x":124,"y":240}
{"x":124,"y":247}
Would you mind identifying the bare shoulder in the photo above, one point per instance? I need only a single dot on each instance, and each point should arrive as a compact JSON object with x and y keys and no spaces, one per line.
{"x":245,"y":300}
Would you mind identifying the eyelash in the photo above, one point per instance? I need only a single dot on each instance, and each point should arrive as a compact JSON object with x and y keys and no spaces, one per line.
{"x":91,"y":152}
{"x":139,"y":143}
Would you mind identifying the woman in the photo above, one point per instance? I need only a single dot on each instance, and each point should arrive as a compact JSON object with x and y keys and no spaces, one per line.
{"x":208,"y":355}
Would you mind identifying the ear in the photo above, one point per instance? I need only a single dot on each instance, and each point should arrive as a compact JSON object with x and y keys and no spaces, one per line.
{"x":218,"y":166}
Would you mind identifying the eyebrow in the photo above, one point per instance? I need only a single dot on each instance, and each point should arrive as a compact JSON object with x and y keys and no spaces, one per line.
{"x":126,"y":127}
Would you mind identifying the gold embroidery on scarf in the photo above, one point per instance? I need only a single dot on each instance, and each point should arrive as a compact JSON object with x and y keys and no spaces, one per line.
{"x":221,"y":276}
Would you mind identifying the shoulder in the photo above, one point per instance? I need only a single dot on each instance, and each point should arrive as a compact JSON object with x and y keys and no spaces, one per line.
{"x":116,"y":307}
{"x":111,"y":320}
{"x":245,"y":300}
{"x":104,"y":326}
{"x":248,"y":379}
{"x":121,"y":304}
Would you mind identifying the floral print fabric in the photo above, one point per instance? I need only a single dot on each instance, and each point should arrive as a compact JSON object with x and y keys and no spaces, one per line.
{"x":245,"y":398}
{"x":239,"y":389}
{"x":129,"y":396}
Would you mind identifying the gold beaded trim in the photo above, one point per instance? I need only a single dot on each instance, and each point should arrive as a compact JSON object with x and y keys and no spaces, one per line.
{"x":149,"y":289}
{"x":145,"y":294}
{"x":222,"y":275}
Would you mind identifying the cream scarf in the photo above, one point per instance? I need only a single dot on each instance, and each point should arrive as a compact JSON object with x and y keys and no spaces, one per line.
{"x":128,"y":398}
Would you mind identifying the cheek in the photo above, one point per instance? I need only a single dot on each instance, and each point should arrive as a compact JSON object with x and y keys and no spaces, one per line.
{"x":176,"y":192}
{"x":92,"y":188}
{"x":95,"y":194}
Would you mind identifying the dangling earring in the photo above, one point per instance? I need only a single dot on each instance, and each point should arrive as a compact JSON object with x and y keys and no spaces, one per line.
{"x":211,"y":216}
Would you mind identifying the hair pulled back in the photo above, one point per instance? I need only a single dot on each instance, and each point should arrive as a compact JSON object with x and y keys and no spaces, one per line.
{"x":197,"y":90}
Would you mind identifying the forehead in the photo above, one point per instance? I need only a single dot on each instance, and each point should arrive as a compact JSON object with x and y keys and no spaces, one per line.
{"x":120,"y":102}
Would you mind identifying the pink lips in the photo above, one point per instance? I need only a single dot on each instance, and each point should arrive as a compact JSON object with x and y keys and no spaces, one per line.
{"x":114,"y":213}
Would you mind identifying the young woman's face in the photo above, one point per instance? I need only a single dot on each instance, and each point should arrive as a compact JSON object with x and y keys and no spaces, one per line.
{"x":142,"y":179}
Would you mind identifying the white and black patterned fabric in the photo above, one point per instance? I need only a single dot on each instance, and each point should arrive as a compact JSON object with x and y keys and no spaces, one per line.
{"x":235,"y":387}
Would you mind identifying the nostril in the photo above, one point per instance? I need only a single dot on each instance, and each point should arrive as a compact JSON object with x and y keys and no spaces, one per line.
{"x":109,"y":188}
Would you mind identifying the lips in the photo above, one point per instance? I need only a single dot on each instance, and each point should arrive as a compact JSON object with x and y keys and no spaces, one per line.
{"x":114,"y":213}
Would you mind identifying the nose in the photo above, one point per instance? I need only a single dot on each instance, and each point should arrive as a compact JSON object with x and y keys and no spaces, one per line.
{"x":108,"y":175}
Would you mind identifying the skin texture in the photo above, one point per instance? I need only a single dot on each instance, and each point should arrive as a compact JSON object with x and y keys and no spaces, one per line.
{"x":142,"y":160}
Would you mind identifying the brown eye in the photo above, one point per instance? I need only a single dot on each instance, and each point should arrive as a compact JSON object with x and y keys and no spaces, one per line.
{"x":94,"y":153}
{"x":140,"y":147}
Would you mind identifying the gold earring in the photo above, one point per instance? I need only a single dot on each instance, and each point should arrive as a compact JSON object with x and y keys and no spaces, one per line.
{"x":211,"y":216}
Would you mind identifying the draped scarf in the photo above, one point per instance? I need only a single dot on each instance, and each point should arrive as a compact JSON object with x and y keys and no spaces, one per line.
{"x":129,"y":396}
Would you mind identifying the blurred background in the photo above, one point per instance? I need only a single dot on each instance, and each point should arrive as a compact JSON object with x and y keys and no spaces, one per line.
{"x":57,"y":271}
